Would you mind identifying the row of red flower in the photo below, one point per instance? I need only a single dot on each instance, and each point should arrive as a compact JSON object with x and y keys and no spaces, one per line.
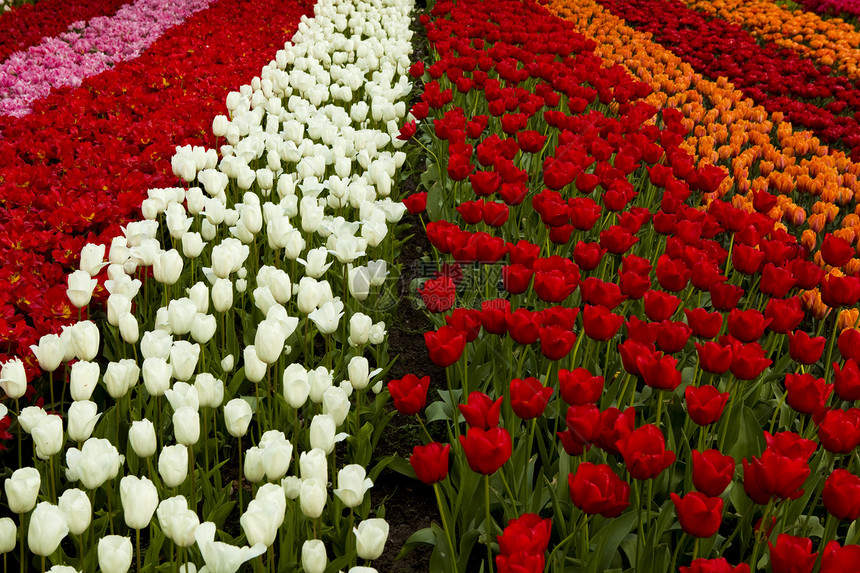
{"x":26,"y":25}
{"x":79,"y":166}
{"x":779,"y":79}
{"x":579,"y":185}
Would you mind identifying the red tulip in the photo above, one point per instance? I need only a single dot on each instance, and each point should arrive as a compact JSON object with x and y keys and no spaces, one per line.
{"x":776,"y":281}
{"x":840,"y":291}
{"x":659,"y":370}
{"x":555,"y":342}
{"x":839,"y":431}
{"x":596,"y":489}
{"x":849,"y":343}
{"x":705,"y":404}
{"x":529,"y":397}
{"x":466,"y":320}
{"x":485,"y":183}
{"x":714,"y":357}
{"x":704,"y":324}
{"x":841,"y":495}
{"x":672,"y":336}
{"x":773,"y":475}
{"x":725,"y":296}
{"x":790,"y":445}
{"x":846,"y":380}
{"x":791,"y":554}
{"x":579,"y":386}
{"x":838,"y":559}
{"x":836,"y":251}
{"x":430,"y":462}
{"x":747,"y":325}
{"x":747,"y":259}
{"x":588,"y":255}
{"x":445,"y":345}
{"x":486,"y":451}
{"x":805,"y":393}
{"x":599,"y":323}
{"x":409,"y":394}
{"x":523,"y":326}
{"x":785,"y":315}
{"x":481,"y":411}
{"x":672,"y":274}
{"x":416,"y":202}
{"x":439,"y":294}
{"x":644,"y":452}
{"x":660,"y":305}
{"x":698,"y":514}
{"x":614,"y":425}
{"x":748,"y":361}
{"x":617,"y":239}
{"x":494,"y":316}
{"x":583,"y":423}
{"x":530,"y":533}
{"x":516,"y":278}
{"x":712,"y":471}
{"x":805,"y":349}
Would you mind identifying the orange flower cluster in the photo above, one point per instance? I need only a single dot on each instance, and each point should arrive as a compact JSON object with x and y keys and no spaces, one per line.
{"x":760,"y":151}
{"x":832,"y":42}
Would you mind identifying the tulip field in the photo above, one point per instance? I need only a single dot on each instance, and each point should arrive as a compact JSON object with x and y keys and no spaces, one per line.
{"x":517,"y":286}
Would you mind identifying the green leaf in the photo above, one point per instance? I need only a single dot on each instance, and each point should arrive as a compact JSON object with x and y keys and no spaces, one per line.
{"x":424,"y":536}
{"x":438,"y":411}
{"x":608,"y":541}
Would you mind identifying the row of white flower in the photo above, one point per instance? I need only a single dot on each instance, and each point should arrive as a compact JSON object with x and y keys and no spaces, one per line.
{"x":306,"y":174}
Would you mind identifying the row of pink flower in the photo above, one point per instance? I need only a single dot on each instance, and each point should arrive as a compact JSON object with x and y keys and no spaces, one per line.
{"x":86,"y":51}
{"x":25,"y":26}
{"x":833,"y":7}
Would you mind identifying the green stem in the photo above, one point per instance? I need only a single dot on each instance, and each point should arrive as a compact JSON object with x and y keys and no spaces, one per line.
{"x":489,"y":525}
{"x":137,"y":536}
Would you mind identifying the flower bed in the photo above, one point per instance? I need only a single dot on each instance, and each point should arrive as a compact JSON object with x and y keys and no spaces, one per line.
{"x":84,"y":158}
{"x":262,"y":322}
{"x":86,"y":50}
{"x":27,"y":24}
{"x":829,"y":42}
{"x":625,"y":392}
{"x":780,"y":81}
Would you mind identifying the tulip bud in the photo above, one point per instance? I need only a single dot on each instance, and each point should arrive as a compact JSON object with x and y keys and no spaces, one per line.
{"x":186,"y":425}
{"x":260,"y":523}
{"x":30,"y":417}
{"x":120,"y":377}
{"x":237,"y":417}
{"x":210,"y":390}
{"x":22,"y":489}
{"x":156,"y":375}
{"x":76,"y":506}
{"x":115,"y":553}
{"x":322,"y":433}
{"x":48,"y":437}
{"x":336,"y":403}
{"x":117,"y":305}
{"x":156,"y":344}
{"x":80,"y":290}
{"x":314,"y":558}
{"x":370,"y":538}
{"x":312,"y":465}
{"x":227,"y":363}
{"x":352,"y":485}
{"x":8,"y":534}
{"x":85,"y":338}
{"x":13,"y":378}
{"x":83,"y":416}
{"x":269,"y":341}
{"x":180,"y":313}
{"x":128,"y":328}
{"x":312,"y":497}
{"x":359,"y":329}
{"x":222,"y":294}
{"x":320,"y":380}
{"x":192,"y":245}
{"x":83,"y":379}
{"x":142,"y":438}
{"x":255,"y":469}
{"x":255,"y":369}
{"x":296,"y":385}
{"x":50,"y":352}
{"x":48,"y":527}
{"x":173,"y":465}
{"x":203,"y":328}
{"x":139,"y":500}
{"x":359,"y":375}
{"x":183,"y":359}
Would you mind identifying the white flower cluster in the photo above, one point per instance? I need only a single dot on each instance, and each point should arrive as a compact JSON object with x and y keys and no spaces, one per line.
{"x":299,"y":192}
